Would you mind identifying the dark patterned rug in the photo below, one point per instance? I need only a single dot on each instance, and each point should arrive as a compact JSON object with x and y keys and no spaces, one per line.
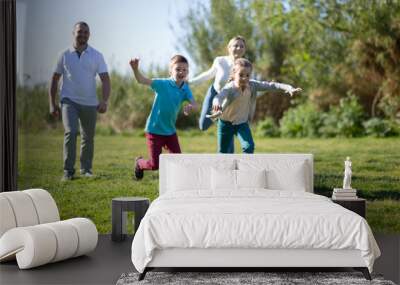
{"x":243,"y":278}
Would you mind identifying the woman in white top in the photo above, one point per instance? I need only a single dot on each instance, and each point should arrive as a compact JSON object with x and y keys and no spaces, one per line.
{"x":220,"y":71}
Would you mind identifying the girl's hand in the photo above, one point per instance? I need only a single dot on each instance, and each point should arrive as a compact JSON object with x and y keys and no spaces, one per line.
{"x":216,"y":107}
{"x":293,"y":91}
{"x":134,"y":63}
{"x":187,"y":109}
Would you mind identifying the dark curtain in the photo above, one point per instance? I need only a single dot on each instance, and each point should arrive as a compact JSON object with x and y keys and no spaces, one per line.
{"x":8,"y":140}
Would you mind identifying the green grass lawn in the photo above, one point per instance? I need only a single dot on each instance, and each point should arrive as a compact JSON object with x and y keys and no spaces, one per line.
{"x":376,"y":171}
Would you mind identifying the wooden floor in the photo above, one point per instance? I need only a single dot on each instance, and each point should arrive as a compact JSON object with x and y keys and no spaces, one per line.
{"x":111,"y":259}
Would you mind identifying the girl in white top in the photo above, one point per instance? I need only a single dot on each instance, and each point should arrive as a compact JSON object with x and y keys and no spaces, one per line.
{"x":236,"y":104}
{"x":220,"y":71}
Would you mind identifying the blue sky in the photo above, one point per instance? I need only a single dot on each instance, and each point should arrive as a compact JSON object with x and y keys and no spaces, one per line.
{"x":120,"y":29}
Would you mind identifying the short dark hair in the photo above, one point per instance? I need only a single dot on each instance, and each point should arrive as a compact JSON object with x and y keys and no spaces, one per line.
{"x":178,"y":59}
{"x":81,"y":23}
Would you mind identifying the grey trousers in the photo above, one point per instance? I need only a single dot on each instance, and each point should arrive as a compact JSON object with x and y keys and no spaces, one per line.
{"x":74,"y":114}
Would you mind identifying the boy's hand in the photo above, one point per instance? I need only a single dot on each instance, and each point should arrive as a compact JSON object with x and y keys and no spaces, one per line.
{"x":187,"y":109}
{"x":293,"y":91}
{"x":134,"y":63}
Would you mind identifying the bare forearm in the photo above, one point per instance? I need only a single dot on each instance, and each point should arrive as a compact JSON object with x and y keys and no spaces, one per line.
{"x":54,"y":109}
{"x":140,"y":78}
{"x":272,"y":86}
{"x":194,"y":105}
{"x":207,"y":75}
{"x":106,"y":88}
{"x":53,"y":91}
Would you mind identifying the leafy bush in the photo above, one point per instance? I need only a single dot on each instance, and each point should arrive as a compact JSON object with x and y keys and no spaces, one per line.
{"x":378,"y":127}
{"x":344,"y":120}
{"x":267,"y":128}
{"x":33,"y":108}
{"x":303,"y":121}
{"x":129,"y":106}
{"x":390,"y":105}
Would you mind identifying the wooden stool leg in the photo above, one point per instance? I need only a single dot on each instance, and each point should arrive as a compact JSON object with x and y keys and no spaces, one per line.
{"x":118,"y":222}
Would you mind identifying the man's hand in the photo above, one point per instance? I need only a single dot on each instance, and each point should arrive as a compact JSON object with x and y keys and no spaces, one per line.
{"x":55,"y":111}
{"x":134,"y":63}
{"x":294,"y":91}
{"x":102,"y":107}
{"x":187,"y":109}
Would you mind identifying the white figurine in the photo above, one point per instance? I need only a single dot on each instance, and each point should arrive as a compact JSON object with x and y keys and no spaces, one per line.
{"x":347,"y":174}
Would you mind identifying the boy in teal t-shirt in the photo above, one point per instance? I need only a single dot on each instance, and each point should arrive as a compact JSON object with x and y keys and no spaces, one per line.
{"x":160,"y":128}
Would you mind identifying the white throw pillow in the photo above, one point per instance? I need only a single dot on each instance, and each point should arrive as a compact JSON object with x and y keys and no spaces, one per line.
{"x":183,"y":177}
{"x":251,"y":178}
{"x":188,"y":175}
{"x":291,"y":175}
{"x":222,"y":179}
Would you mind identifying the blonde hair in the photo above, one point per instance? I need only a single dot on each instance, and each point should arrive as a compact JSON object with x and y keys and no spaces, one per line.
{"x":238,"y":63}
{"x":236,"y":38}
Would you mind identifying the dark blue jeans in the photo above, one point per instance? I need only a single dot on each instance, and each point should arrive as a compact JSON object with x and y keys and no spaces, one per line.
{"x":204,"y":122}
{"x":226,"y":133}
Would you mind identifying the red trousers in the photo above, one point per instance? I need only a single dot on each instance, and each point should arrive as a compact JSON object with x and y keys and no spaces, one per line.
{"x":155,"y":143}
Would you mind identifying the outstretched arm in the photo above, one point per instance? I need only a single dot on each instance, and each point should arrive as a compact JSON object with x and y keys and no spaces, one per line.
{"x":134,"y":63}
{"x":206,"y":75}
{"x":275,"y":86}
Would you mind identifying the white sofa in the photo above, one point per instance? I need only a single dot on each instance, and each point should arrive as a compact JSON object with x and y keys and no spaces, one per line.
{"x":31,"y":231}
{"x":205,"y":197}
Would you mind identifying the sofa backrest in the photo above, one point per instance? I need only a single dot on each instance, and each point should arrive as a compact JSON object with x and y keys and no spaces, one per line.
{"x":283,"y":170}
{"x":26,"y":208}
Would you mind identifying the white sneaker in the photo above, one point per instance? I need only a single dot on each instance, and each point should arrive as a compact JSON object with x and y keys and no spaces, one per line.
{"x":86,"y":173}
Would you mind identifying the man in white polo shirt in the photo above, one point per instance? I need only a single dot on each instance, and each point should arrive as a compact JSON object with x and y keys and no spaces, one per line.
{"x":78,"y":67}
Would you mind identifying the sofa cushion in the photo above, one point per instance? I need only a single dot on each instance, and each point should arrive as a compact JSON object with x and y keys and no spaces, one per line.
{"x":41,"y":244}
{"x":26,"y":208}
{"x":7,"y":220}
{"x":23,"y":208}
{"x":45,"y":205}
{"x":30,"y":230}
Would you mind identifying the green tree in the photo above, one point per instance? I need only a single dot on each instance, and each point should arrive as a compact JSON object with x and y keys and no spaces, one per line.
{"x":329,"y":48}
